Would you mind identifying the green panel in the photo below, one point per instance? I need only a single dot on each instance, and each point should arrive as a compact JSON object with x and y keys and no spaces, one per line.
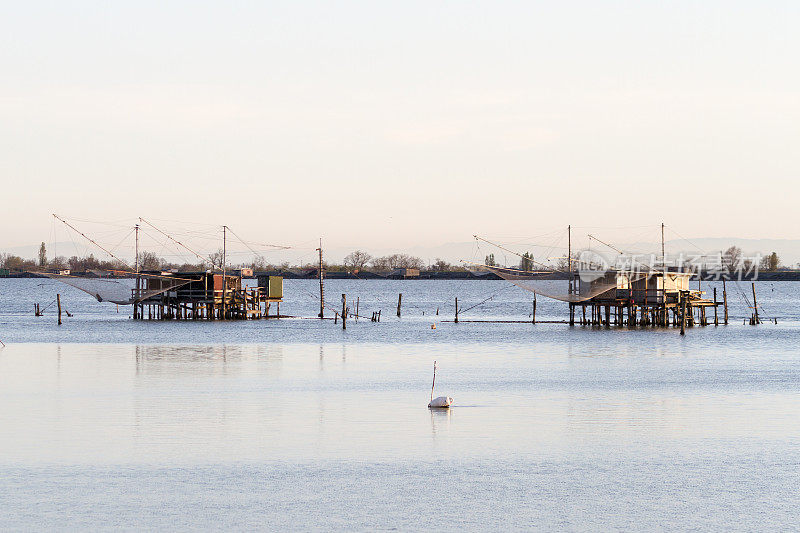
{"x":275,"y":287}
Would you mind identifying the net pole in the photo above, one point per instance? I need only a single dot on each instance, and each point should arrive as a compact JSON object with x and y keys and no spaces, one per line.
{"x":224,"y":261}
{"x":138,"y":276}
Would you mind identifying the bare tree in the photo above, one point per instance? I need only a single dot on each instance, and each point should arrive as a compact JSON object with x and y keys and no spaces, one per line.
{"x":732,"y":258}
{"x":259,"y":263}
{"x":216,"y":258}
{"x":393,"y":261}
{"x":357,"y":260}
{"x":562,"y":264}
{"x":150,"y":261}
{"x":441,"y":266}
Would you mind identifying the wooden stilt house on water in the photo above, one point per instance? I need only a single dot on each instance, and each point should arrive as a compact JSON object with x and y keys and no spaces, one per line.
{"x":204,"y":295}
{"x":654,"y":298}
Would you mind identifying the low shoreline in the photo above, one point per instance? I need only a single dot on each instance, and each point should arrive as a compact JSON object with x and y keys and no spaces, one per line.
{"x":781,"y":275}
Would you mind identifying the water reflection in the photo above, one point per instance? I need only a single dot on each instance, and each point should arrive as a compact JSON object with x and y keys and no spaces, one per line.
{"x":207,"y":359}
{"x":440,"y":421}
{"x":287,"y":402}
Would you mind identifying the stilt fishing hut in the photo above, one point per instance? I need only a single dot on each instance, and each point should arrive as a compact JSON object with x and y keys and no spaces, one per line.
{"x":638,"y":294}
{"x":657,"y":298}
{"x":208,"y":294}
{"x":204,"y":295}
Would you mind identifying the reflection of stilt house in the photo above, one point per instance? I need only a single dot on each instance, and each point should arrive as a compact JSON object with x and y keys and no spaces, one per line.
{"x":204,"y":295}
{"x":644,"y":298}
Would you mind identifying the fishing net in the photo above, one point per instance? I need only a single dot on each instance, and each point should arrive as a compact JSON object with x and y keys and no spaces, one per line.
{"x":586,"y":284}
{"x":119,"y":291}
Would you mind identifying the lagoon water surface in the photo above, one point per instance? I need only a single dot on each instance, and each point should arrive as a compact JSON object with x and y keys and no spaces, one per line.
{"x":295,"y":424}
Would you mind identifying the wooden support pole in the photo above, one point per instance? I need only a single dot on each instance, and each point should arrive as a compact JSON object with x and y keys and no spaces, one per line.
{"x":358,"y":301}
{"x":456,"y":320}
{"x":399,"y":302}
{"x":683,"y":314}
{"x":725,"y":300}
{"x":755,"y":305}
{"x":533,"y":314}
{"x":608,"y":316}
{"x":344,"y":311}
{"x":58,"y":301}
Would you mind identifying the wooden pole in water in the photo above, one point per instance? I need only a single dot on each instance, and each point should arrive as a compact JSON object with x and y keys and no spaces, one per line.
{"x":136,"y":312}
{"x":224,"y":277}
{"x":456,"y":321}
{"x":683,"y":314}
{"x":716,"y":319}
{"x":399,"y":302}
{"x":344,"y":311}
{"x":725,"y":300}
{"x":533,"y":315}
{"x":58,"y":301}
{"x":755,"y":305}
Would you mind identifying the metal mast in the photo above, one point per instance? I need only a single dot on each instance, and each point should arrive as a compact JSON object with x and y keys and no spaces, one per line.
{"x":569,"y":255}
{"x":138,"y":276}
{"x":224,"y":278}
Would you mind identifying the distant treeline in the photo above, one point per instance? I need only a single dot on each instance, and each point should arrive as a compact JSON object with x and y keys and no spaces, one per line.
{"x":357,"y":262}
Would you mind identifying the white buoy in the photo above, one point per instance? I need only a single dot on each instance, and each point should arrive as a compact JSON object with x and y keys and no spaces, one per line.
{"x":441,"y":402}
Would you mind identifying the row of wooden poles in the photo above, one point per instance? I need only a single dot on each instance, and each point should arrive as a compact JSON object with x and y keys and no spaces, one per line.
{"x":345,"y":314}
{"x":38,"y":311}
{"x":376,"y":315}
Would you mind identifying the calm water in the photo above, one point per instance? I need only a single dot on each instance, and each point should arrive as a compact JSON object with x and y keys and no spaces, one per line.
{"x":295,"y":424}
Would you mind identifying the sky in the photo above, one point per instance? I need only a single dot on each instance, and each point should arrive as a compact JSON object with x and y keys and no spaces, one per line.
{"x":401,"y":124}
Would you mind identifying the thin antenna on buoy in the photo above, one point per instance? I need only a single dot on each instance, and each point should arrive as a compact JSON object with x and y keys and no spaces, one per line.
{"x":441,"y":401}
{"x":434,"y":379}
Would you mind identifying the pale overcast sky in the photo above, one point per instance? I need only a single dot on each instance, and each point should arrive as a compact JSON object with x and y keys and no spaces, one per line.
{"x":399,"y":124}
